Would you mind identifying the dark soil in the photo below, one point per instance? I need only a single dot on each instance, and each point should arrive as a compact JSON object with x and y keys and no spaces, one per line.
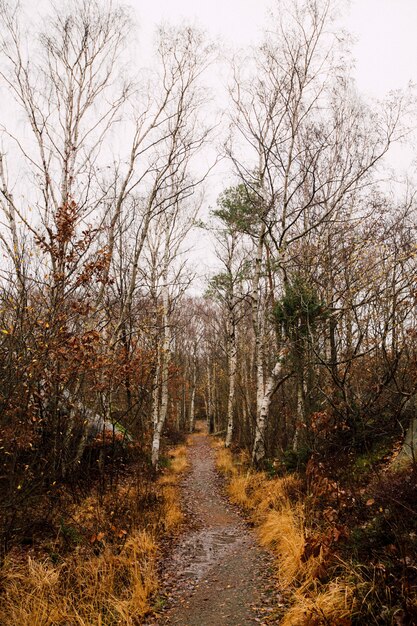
{"x":216,"y":574}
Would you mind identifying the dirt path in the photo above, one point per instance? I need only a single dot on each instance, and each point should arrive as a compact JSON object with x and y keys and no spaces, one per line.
{"x":217,"y":575}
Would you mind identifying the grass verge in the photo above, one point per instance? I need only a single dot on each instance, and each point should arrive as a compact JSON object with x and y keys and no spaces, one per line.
{"x":276,"y":506}
{"x":101,"y":570}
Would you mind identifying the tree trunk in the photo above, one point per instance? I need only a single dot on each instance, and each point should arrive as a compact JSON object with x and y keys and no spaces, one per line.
{"x":232,"y":379}
{"x":192,"y":400}
{"x":256,"y":323}
{"x":165,"y":362}
{"x":259,"y":452}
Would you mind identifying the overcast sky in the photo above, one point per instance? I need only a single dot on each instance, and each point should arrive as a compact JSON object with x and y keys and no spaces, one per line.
{"x":385,"y":48}
{"x":386,"y":30}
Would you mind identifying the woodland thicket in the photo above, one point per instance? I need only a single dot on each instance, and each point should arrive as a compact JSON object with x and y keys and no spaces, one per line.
{"x":302,"y":349}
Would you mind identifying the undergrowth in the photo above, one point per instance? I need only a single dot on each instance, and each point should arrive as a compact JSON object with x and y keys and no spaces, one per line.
{"x":276,"y":507}
{"x":345,"y":552}
{"x":101,"y":569}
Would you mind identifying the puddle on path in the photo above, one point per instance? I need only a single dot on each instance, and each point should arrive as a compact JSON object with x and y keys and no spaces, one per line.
{"x":216,"y":573}
{"x":201,"y":549}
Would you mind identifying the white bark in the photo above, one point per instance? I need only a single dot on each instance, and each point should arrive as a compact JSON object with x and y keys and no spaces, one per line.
{"x":155,"y":392}
{"x":256,"y":322}
{"x":232,"y":378}
{"x":258,"y":452}
{"x":192,"y":408}
{"x":210,"y":424}
{"x":164,"y":355}
{"x":165,"y":362}
{"x":193,"y":392}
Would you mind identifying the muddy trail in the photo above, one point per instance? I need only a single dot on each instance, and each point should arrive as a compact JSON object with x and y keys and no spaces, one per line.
{"x":216,"y":575}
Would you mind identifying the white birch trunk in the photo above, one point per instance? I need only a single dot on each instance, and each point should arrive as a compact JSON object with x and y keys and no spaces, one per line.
{"x":210,"y":425}
{"x":258,"y":452}
{"x":192,"y":399}
{"x":165,"y":362}
{"x":256,"y":323}
{"x":263,"y":395}
{"x":232,"y":379}
{"x":214,"y":398}
{"x":155,"y":390}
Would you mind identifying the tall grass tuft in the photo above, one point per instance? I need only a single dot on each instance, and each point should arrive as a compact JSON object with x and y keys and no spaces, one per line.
{"x":172,"y":515}
{"x":332,"y":604}
{"x":107,"y":589}
{"x":109,"y":576}
{"x":276,"y":507}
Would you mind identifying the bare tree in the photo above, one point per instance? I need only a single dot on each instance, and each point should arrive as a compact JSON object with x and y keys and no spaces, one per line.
{"x":291,"y":116}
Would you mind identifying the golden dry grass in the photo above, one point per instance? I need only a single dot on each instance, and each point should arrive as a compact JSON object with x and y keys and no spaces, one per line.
{"x":283,"y":532}
{"x":172,"y":515}
{"x":237,"y":490}
{"x":333,"y":604}
{"x":224,"y":461}
{"x":112,"y":587}
{"x":107,"y":589}
{"x":275,"y":505}
{"x":255,"y":491}
{"x":178,"y":460}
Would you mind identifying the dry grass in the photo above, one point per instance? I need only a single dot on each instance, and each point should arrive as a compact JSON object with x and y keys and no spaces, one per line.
{"x":178,"y":460}
{"x":237,"y":490}
{"x":333,"y":604}
{"x":274,"y":494}
{"x":224,"y":460}
{"x":275,"y":505}
{"x":283,"y":532}
{"x":107,"y":589}
{"x":172,"y":515}
{"x":113,"y":586}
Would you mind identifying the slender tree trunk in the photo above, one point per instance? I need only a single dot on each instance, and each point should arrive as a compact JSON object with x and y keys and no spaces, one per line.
{"x":210,"y":425}
{"x":178,"y":414}
{"x":165,"y":362}
{"x":300,"y":421}
{"x":259,"y":451}
{"x":192,"y":399}
{"x":232,"y":379}
{"x":256,"y":323}
{"x":262,"y":392}
{"x":156,"y":389}
{"x":246,"y":404}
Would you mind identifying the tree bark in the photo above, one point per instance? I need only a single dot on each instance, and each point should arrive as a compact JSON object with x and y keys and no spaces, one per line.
{"x":259,"y":451}
{"x":232,"y":379}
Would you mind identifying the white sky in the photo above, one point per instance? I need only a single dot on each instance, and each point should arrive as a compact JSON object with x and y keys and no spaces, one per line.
{"x":385,"y":51}
{"x":386,"y":31}
{"x":385,"y":48}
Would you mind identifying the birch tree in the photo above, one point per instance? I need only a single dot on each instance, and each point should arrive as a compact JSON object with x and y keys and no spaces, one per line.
{"x":91,"y":199}
{"x":304,"y":162}
{"x":227,"y":285}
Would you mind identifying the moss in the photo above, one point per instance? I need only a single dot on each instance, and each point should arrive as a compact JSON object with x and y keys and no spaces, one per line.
{"x":366,"y":462}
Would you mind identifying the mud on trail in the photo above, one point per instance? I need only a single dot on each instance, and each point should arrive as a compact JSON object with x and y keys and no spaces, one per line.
{"x":216,"y":574}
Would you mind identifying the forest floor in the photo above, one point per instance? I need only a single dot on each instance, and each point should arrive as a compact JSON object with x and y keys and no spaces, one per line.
{"x":216,"y":574}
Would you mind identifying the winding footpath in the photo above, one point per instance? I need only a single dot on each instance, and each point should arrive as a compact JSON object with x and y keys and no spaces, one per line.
{"x":216,"y":575}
